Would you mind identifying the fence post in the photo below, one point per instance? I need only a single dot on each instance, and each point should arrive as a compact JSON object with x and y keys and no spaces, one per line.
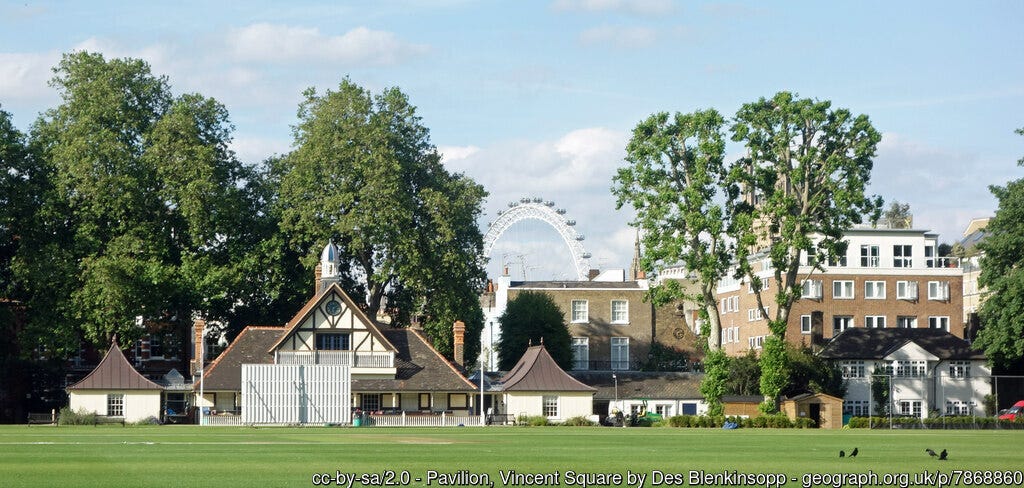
{"x":403,"y":418}
{"x":444,"y":423}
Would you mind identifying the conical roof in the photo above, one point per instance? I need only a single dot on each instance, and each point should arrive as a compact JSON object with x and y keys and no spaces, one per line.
{"x":537,"y":371}
{"x":114,"y":373}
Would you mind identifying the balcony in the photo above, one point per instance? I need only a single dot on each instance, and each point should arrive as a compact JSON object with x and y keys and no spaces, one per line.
{"x":339,"y":358}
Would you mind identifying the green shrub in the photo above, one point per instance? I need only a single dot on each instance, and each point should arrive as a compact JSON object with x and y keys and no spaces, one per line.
{"x":71,"y":417}
{"x":534,"y":420}
{"x":580,"y":421}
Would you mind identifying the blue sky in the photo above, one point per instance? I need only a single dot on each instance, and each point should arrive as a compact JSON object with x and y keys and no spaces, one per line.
{"x":538,"y":98}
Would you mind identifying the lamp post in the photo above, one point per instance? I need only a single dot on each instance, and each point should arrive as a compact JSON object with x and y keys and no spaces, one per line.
{"x":616,"y":379}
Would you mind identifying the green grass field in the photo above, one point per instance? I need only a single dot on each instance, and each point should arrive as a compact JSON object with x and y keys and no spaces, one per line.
{"x":270,"y":457}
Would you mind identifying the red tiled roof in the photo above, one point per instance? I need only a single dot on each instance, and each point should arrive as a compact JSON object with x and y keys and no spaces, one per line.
{"x":115,"y":373}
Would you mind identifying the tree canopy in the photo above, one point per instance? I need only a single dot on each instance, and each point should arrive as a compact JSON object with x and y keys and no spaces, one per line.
{"x":144,"y":213}
{"x":1002,"y":274}
{"x":364,"y":174}
{"x":804,"y":175}
{"x":533,"y":317}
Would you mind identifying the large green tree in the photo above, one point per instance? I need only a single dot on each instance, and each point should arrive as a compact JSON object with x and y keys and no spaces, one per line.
{"x":145,"y":210}
{"x":805,"y":174}
{"x":533,"y":317}
{"x":364,"y":174}
{"x":1002,"y":274}
{"x":19,"y":188}
{"x":675,"y":181}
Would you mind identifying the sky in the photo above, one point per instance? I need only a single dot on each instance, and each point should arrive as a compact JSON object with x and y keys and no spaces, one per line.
{"x":539,"y":98}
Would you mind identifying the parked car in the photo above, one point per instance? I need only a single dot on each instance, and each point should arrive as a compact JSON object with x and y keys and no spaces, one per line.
{"x":1016,"y":412}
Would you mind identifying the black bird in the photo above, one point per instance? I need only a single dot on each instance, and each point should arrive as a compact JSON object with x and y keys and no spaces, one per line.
{"x":942,"y":455}
{"x":930,"y":452}
{"x":854,"y":452}
{"x":842,"y":453}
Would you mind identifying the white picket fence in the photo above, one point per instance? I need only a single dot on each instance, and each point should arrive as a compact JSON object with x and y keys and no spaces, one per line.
{"x":222,"y":420}
{"x":442,"y":420}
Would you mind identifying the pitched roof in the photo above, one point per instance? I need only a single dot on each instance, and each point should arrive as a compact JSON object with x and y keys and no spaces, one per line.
{"x":862,"y":343}
{"x":651,"y":385}
{"x":299,"y":317}
{"x":250,"y":347}
{"x":419,"y":367}
{"x":537,"y":371}
{"x":114,"y":373}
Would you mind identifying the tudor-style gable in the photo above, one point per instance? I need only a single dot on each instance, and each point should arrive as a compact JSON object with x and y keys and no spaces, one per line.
{"x":331,"y":329}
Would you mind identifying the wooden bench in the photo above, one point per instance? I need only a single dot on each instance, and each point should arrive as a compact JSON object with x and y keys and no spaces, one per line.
{"x":104,"y":419}
{"x":42,"y":418}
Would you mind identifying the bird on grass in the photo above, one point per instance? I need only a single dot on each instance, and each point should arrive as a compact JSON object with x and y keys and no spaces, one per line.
{"x":842,"y":453}
{"x":853,"y":453}
{"x":942,"y":455}
{"x":930,"y":452}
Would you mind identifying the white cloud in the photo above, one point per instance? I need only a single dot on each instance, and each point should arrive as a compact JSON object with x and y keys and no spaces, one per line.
{"x":619,"y":36}
{"x":283,"y":43}
{"x":575,"y":171}
{"x":450,"y":154}
{"x":945,"y":187}
{"x":254,"y":150}
{"x":637,"y":7}
{"x":25,"y":75}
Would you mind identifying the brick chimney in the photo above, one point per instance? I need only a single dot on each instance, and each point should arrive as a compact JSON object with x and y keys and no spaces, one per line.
{"x":458,"y":343}
{"x":198,"y":344}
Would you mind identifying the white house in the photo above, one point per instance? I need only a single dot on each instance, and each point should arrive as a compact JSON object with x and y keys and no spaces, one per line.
{"x":930,"y":370}
{"x":536,"y":386}
{"x":328,"y":361}
{"x":115,"y":389}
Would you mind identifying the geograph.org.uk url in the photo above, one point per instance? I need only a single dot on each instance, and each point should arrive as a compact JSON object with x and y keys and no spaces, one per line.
{"x":930,"y":478}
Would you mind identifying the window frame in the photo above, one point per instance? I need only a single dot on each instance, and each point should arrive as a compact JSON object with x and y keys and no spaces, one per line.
{"x":625,"y":319}
{"x":806,"y":324}
{"x":877,"y":288}
{"x":581,"y":362}
{"x":846,"y":285}
{"x":902,"y":256}
{"x":874,"y":321}
{"x":847,"y":320}
{"x":940,"y":322}
{"x":579,"y":314}
{"x":911,"y":320}
{"x":115,"y":405}
{"x":869,"y":256}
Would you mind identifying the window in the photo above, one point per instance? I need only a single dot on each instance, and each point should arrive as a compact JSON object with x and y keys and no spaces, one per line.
{"x":842,"y":289}
{"x":841,"y":323}
{"x":620,"y":312}
{"x":811,"y":289}
{"x":156,"y":346}
{"x":901,"y":256}
{"x":805,"y":324}
{"x":369,"y":402}
{"x":904,"y":322}
{"x":550,"y":406}
{"x":957,"y":407}
{"x":115,"y":405}
{"x":874,"y":290}
{"x":424,"y":401}
{"x":910,"y":368}
{"x":839,"y":260}
{"x":906,"y":290}
{"x":580,"y":353}
{"x":856,"y":408}
{"x":874,"y":321}
{"x":938,"y":323}
{"x":620,"y":353}
{"x":664,"y":410}
{"x":869,"y":256}
{"x":929,"y":256}
{"x":938,"y":290}
{"x":959,"y":369}
{"x":755,"y":314}
{"x":755,"y":342}
{"x":580,"y":312}
{"x":810,"y":256}
{"x":734,"y":304}
{"x":852,"y":369}
{"x":458,"y":401}
{"x":332,"y":342}
{"x":910,"y":407}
